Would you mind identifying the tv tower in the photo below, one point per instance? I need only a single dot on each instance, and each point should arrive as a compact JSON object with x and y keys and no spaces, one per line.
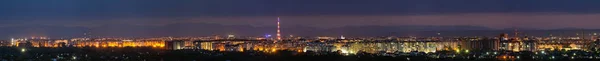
{"x":278,"y":29}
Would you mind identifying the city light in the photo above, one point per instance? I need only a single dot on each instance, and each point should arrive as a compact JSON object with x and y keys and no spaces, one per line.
{"x":347,"y":47}
{"x":23,"y":50}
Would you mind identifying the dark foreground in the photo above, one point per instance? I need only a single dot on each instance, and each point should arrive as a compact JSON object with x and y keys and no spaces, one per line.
{"x":157,"y":54}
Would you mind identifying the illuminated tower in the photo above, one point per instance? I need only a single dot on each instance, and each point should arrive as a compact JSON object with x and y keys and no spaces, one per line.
{"x":278,"y":30}
{"x":516,"y":34}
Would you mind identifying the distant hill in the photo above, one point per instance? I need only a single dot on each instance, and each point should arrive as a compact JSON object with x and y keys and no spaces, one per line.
{"x":206,"y":29}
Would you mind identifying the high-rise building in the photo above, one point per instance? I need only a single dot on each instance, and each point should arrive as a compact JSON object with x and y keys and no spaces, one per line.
{"x":26,"y":44}
{"x":4,"y":43}
{"x":529,"y":45}
{"x":13,"y":42}
{"x":87,"y":35}
{"x":175,"y":44}
{"x":594,"y":46}
{"x":480,"y":44}
{"x":230,"y":36}
{"x":205,"y":45}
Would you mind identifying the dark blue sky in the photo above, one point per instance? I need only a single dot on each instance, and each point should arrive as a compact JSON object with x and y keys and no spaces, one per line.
{"x":544,"y":14}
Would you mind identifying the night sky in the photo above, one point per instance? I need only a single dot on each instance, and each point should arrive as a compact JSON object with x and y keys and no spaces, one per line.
{"x":317,"y":13}
{"x":495,"y":14}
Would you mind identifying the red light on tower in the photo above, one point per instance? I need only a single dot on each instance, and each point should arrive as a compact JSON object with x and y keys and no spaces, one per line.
{"x":278,"y":29}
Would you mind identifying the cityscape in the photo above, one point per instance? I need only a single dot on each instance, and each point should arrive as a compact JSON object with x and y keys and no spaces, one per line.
{"x":504,"y":46}
{"x":299,"y":30}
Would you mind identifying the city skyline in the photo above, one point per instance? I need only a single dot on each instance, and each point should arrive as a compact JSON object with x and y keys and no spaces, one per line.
{"x":299,"y":30}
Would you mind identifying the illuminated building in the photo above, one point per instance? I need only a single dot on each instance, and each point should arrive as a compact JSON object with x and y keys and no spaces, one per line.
{"x":13,"y":41}
{"x":510,"y":45}
{"x":26,"y":44}
{"x":175,"y":44}
{"x":319,"y":47}
{"x":347,"y":48}
{"x":60,"y":43}
{"x":230,"y":36}
{"x":595,"y":46}
{"x":205,"y":45}
{"x":566,"y":44}
{"x":189,"y":43}
{"x":527,"y":44}
{"x":268,"y":37}
{"x":3,"y":43}
{"x":326,"y":38}
{"x":516,"y":43}
{"x":40,"y":42}
{"x":484,"y":44}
